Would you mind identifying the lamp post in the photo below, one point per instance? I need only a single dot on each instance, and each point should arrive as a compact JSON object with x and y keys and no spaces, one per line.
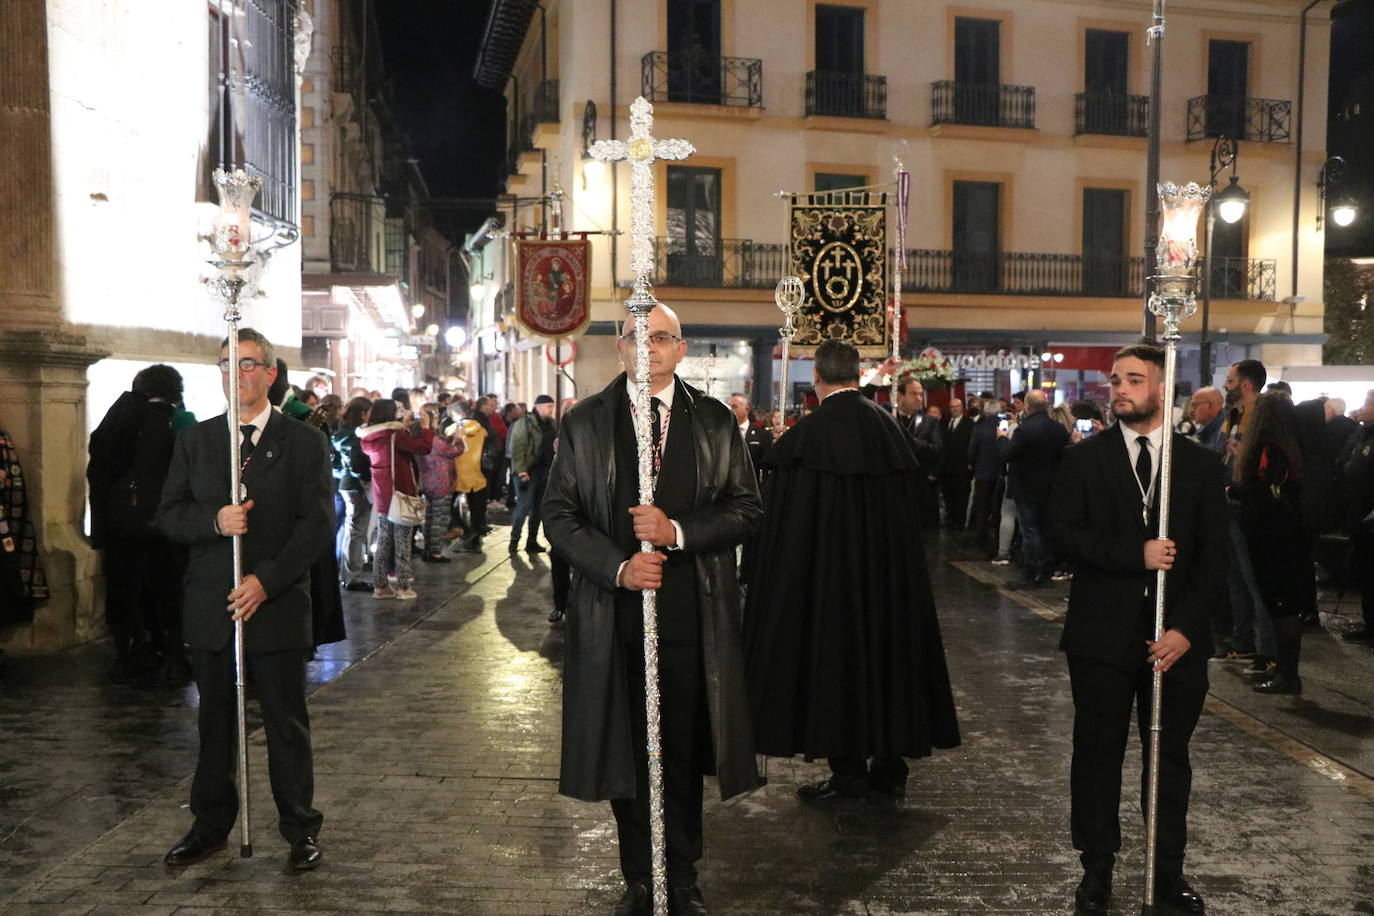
{"x":1330,"y":180}
{"x":1231,"y":205}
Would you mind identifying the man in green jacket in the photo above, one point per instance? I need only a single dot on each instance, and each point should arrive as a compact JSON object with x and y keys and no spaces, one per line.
{"x":531,"y":457}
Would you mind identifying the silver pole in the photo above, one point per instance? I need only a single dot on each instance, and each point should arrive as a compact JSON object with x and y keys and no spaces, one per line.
{"x":903,"y":192}
{"x":1173,"y":298}
{"x":788,"y":295}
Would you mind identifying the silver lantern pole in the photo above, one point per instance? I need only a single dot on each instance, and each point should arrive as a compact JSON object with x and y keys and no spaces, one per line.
{"x":641,"y":150}
{"x":903,"y":178}
{"x":1173,"y":297}
{"x":789,"y":295}
{"x":231,"y":241}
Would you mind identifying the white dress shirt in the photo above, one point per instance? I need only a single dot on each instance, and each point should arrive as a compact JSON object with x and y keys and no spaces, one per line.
{"x":665,"y":399}
{"x":1156,"y":444}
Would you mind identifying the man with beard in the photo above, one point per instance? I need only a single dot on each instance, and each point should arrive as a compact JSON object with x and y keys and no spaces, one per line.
{"x":1252,"y":634}
{"x":843,"y":648}
{"x":706,"y":503}
{"x":1104,"y":514}
{"x":531,"y":456}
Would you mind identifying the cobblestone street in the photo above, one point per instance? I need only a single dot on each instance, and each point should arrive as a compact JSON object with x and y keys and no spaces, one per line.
{"x":436,"y":745}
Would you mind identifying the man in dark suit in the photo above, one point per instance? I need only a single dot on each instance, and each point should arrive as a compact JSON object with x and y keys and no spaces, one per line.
{"x":1104,"y":511}
{"x":955,"y":475}
{"x":706,"y":502}
{"x":927,"y":444}
{"x":1032,"y":458}
{"x":286,"y":521}
{"x":758,"y":439}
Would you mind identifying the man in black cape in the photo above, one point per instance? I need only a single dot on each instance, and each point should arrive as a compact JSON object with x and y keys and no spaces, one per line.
{"x":842,"y":646}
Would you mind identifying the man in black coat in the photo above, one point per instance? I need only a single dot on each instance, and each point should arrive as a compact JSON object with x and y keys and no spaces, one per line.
{"x":758,"y":439}
{"x":842,"y":642}
{"x":956,"y":475}
{"x":706,"y":503}
{"x":1104,"y":510}
{"x":1032,"y":459}
{"x":286,"y":521}
{"x":986,"y":460}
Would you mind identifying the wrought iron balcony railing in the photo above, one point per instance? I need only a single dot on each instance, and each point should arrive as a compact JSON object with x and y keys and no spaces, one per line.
{"x":719,"y":263}
{"x":701,"y":78}
{"x":1112,"y":114}
{"x":982,"y":104}
{"x":357,"y":229}
{"x":543,"y":109}
{"x":846,"y":95}
{"x":1262,"y":120}
{"x":1243,"y":278}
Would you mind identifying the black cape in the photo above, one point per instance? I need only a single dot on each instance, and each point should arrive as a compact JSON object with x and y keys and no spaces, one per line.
{"x":842,"y":645}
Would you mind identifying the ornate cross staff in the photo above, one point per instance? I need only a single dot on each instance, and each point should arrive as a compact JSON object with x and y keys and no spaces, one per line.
{"x":641,"y":150}
{"x":1173,"y":298}
{"x":231,"y":241}
{"x":789,"y":295}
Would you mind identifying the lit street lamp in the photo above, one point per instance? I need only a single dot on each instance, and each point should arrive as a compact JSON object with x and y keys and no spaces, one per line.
{"x":1230,"y":204}
{"x":1329,"y":182}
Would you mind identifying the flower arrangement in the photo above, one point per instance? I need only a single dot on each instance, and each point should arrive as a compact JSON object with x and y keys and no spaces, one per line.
{"x":928,"y":369}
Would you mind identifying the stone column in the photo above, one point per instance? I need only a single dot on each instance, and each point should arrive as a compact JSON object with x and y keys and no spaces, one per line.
{"x":42,"y":366}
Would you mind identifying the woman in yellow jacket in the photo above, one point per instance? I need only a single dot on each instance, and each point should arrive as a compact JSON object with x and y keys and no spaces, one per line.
{"x":472,"y":480}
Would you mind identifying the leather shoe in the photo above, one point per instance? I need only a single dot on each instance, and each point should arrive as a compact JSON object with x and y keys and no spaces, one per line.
{"x":192,"y":849}
{"x":829,"y":790}
{"x":1281,"y":684}
{"x":1094,"y":893}
{"x":1174,"y":891}
{"x":686,"y":901}
{"x":637,"y":901}
{"x":555,"y":616}
{"x":535,"y":548}
{"x":305,"y":854}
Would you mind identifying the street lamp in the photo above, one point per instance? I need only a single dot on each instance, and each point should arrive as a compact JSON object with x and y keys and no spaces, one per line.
{"x":1329,"y":182}
{"x":1231,"y":205}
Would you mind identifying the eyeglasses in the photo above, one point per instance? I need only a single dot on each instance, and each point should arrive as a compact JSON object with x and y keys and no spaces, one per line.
{"x":246,"y":364}
{"x":658,"y":340}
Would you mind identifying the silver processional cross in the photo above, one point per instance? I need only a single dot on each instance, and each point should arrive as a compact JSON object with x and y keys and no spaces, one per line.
{"x":640,"y":151}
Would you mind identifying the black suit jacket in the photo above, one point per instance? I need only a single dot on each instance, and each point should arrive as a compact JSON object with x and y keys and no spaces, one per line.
{"x":1033,"y":456}
{"x":1095,"y":521}
{"x":758,"y":440}
{"x":955,"y":461}
{"x":289,"y":527}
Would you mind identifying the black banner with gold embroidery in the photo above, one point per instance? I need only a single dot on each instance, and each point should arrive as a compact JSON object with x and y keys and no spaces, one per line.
{"x":839,"y":250}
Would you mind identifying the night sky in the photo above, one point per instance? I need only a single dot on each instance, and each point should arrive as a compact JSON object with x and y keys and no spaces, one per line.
{"x":457,"y":129}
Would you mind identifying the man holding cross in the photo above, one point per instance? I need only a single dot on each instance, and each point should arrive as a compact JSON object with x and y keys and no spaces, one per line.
{"x":706,"y":503}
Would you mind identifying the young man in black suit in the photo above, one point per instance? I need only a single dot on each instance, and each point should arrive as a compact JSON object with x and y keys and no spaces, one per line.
{"x":287,"y":521}
{"x":1104,"y":514}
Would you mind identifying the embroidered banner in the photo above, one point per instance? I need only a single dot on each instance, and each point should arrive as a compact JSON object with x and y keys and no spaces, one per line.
{"x":839,"y":249}
{"x":553,"y":276}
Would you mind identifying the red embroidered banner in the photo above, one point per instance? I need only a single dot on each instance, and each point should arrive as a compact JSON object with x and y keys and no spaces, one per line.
{"x":553,"y":276}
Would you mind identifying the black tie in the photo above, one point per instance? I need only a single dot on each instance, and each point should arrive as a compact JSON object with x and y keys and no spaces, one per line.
{"x":656,"y":419}
{"x":1143,"y":468}
{"x":246,"y":447}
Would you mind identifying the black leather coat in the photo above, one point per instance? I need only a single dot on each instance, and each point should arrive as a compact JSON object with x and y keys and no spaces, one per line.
{"x":597,"y":758}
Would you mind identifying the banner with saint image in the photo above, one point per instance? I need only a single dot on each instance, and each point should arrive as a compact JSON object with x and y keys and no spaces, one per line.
{"x":839,"y":250}
{"x":552,"y":279}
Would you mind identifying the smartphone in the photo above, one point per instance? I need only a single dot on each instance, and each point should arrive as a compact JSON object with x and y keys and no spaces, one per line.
{"x":1003,"y":425}
{"x":1084,"y":426}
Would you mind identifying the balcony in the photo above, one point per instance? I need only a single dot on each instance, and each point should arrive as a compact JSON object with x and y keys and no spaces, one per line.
{"x":698,"y":78}
{"x":846,"y":95}
{"x":357,"y":228}
{"x":1014,"y":273}
{"x":1111,"y":114}
{"x":1261,"y":120}
{"x":719,"y":263}
{"x":982,"y":104}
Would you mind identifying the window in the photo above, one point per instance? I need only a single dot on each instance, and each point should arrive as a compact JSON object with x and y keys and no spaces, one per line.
{"x":1228,"y":66}
{"x":1104,"y":242}
{"x":694,"y":66}
{"x":835,"y":181}
{"x":977,"y":239}
{"x":253,"y":97}
{"x":977,"y":70}
{"x":694,"y":247}
{"x":840,"y":39}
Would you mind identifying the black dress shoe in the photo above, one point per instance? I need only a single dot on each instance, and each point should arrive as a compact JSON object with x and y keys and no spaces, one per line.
{"x":192,"y":849}
{"x":636,"y":901}
{"x":1174,"y":891}
{"x":434,"y":558}
{"x":556,"y":616}
{"x":829,"y":790}
{"x":1280,"y":684}
{"x":305,"y":854}
{"x":1094,"y":893}
{"x":535,"y":548}
{"x":686,"y":901}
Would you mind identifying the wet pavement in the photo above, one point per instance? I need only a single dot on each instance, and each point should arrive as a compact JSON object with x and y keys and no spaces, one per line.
{"x":436,"y":734}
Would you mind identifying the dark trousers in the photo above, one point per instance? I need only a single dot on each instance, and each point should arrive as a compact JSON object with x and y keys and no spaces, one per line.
{"x":279,"y":679}
{"x":529,"y":495}
{"x":955,"y":491}
{"x":560,"y":574}
{"x":1102,"y":698}
{"x":685,"y":734}
{"x":1362,"y":560}
{"x":143,"y":595}
{"x":477,"y":513}
{"x":1036,"y":558}
{"x":986,"y":513}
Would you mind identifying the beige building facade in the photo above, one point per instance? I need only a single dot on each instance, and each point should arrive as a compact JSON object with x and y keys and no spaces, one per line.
{"x":1022,"y":125}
